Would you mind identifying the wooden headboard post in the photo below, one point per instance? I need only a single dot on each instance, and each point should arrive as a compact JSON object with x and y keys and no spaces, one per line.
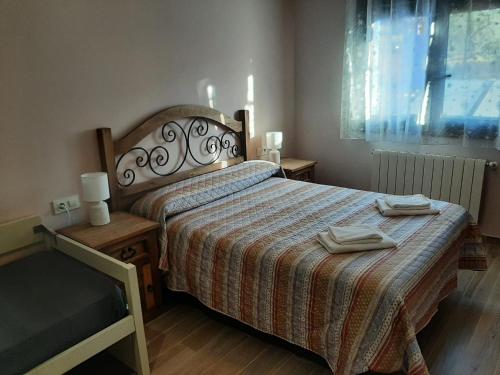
{"x":107,"y":156}
{"x":244,"y":117}
{"x":123,"y":195}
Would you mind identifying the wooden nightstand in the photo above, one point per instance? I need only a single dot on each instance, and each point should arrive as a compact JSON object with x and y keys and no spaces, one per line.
{"x":296,"y":169}
{"x":131,"y":239}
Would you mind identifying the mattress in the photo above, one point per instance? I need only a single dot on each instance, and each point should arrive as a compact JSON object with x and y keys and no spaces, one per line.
{"x":253,"y":254}
{"x":49,"y":302}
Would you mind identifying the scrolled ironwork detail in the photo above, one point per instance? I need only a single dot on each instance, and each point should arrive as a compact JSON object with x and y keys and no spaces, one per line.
{"x":141,"y":161}
{"x":159,"y":156}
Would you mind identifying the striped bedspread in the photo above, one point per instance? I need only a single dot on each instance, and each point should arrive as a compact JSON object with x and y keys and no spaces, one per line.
{"x":253,"y":255}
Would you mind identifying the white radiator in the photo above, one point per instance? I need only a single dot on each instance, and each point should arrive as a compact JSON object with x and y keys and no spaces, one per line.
{"x":447,"y":178}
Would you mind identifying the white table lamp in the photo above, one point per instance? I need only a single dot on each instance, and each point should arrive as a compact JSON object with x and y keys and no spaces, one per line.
{"x":274,"y":141}
{"x":95,"y":191}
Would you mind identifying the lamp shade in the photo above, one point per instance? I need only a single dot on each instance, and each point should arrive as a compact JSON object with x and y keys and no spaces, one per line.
{"x":95,"y":186}
{"x":274,"y":140}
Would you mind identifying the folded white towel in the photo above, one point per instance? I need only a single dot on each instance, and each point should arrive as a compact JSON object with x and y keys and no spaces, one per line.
{"x":354,"y":234}
{"x":414,"y":202}
{"x":387,"y":210}
{"x":336,"y":248}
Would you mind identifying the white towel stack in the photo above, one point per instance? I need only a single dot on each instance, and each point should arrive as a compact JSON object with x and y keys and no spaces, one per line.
{"x":408,"y":205}
{"x":354,"y":238}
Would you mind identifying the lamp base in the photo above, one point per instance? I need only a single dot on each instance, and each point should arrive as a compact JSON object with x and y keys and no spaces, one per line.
{"x":274,"y":156}
{"x":99,"y":213}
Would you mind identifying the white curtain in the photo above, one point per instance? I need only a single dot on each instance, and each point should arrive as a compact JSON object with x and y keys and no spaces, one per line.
{"x":422,"y":71}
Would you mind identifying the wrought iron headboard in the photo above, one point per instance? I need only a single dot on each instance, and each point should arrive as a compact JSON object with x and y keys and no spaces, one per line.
{"x":124,"y":188}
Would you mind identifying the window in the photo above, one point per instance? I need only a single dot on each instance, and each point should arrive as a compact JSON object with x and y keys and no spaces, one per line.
{"x":422,"y":70}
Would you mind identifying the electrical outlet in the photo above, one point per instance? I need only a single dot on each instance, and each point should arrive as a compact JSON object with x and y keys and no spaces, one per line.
{"x":72,"y":203}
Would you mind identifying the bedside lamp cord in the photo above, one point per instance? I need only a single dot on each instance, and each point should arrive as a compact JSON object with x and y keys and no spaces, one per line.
{"x":68,"y":213}
{"x":66,"y":208}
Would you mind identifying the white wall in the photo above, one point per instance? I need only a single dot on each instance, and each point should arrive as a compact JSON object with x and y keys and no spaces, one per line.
{"x":68,"y":67}
{"x":319,"y":52}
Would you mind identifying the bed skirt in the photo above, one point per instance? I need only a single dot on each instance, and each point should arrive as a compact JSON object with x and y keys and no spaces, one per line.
{"x":473,"y":252}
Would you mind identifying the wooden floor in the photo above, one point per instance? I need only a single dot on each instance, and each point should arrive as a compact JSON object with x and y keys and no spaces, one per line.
{"x":463,"y":337}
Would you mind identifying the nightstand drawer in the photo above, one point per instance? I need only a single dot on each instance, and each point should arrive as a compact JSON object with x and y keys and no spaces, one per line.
{"x":127,"y":252}
{"x":306,"y":175}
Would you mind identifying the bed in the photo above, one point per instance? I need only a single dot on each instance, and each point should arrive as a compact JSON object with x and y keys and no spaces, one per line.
{"x":62,"y":303}
{"x":69,"y":304}
{"x":242,"y":240}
